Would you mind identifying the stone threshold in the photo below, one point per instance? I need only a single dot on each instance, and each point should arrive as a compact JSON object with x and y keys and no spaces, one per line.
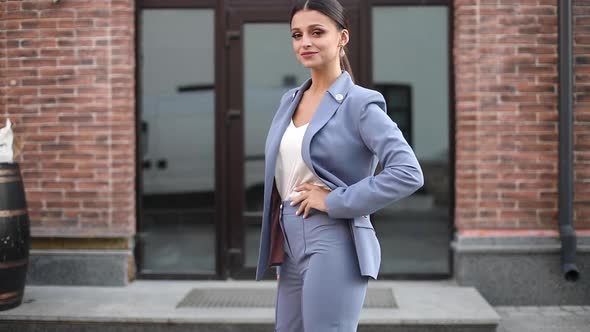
{"x":422,"y":305}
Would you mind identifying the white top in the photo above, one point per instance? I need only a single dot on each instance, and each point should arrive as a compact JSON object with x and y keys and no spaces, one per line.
{"x":291,"y":171}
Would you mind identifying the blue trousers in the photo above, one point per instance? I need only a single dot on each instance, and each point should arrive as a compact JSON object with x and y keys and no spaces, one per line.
{"x":320,"y":285}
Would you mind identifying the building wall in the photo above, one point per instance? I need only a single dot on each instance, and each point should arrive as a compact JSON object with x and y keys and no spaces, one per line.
{"x":507,"y":117}
{"x":506,"y":73}
{"x":68,"y":84}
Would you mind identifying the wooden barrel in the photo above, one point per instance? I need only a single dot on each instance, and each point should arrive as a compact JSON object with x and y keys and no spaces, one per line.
{"x":15,"y":239}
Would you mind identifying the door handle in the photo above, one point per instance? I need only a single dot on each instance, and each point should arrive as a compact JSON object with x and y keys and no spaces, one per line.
{"x":231,"y":115}
{"x":144,"y":137}
{"x":162,"y":163}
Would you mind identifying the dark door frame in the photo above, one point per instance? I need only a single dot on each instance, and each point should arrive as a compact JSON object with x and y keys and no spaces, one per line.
{"x":230,"y":15}
{"x":220,"y":224}
{"x":237,"y":17}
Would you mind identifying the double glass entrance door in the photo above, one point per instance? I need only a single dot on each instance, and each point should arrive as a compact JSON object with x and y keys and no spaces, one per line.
{"x":206,"y":100}
{"x":182,"y":233}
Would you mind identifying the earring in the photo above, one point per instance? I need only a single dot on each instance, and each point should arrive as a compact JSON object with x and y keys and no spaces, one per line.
{"x":342,"y":54}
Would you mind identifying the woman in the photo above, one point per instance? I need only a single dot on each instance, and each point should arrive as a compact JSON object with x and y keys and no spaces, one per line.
{"x":321,"y":153}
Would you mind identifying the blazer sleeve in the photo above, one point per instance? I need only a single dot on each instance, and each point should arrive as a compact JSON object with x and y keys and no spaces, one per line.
{"x":401,"y":174}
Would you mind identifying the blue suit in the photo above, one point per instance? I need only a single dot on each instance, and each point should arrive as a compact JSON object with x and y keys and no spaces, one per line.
{"x":347,"y":136}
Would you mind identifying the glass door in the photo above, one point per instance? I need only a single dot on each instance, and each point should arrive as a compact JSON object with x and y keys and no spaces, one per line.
{"x":177,"y":229}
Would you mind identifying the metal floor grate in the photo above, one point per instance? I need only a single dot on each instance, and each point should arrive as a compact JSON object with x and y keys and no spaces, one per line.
{"x":265,"y":298}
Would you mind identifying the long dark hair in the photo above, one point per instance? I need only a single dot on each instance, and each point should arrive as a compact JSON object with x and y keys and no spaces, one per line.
{"x":334,"y":10}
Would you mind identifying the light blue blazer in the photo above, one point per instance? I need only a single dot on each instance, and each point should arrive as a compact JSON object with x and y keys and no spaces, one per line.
{"x":346,"y":137}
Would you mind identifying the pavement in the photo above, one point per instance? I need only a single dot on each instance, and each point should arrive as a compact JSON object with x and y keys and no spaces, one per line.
{"x":544,"y":319}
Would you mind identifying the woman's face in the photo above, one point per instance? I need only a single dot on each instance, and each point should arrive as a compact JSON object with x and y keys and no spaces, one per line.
{"x":316,"y":39}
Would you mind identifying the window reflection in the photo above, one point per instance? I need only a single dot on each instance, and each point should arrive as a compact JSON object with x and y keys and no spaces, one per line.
{"x":177,"y":121}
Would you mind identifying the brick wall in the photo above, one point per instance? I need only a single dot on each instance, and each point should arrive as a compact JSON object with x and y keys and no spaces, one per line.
{"x":68,"y":84}
{"x":505,"y":56}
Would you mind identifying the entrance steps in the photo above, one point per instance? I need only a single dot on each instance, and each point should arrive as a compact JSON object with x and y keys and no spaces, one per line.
{"x":157,"y":306}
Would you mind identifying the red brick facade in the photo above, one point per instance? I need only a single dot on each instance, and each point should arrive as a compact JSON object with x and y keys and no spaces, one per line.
{"x":68,"y":84}
{"x":506,"y":71}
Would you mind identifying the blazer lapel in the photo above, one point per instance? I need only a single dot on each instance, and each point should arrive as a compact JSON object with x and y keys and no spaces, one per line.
{"x":328,"y":106}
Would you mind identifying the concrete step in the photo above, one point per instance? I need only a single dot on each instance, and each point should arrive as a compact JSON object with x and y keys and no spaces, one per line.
{"x":151,"y":306}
